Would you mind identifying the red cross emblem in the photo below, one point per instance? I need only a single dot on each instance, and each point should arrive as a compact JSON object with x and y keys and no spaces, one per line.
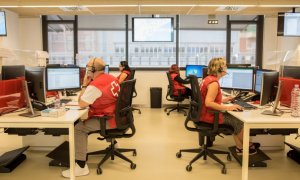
{"x":115,"y":88}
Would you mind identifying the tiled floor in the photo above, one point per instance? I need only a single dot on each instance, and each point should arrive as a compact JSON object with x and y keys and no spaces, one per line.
{"x":157,"y":140}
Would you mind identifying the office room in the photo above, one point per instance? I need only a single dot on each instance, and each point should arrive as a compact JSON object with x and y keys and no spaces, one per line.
{"x":249,"y":35}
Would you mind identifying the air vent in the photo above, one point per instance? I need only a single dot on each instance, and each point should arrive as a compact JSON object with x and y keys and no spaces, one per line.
{"x":230,"y":8}
{"x":74,"y":8}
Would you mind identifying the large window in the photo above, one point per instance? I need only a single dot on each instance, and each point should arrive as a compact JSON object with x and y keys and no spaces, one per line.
{"x":151,"y":54}
{"x":199,"y":41}
{"x":101,"y":36}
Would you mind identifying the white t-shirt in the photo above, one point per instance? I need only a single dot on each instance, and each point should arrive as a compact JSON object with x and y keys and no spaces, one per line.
{"x":91,"y":94}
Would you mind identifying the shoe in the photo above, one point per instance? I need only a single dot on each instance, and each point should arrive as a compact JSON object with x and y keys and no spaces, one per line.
{"x":240,"y":151}
{"x":78,"y":171}
{"x":255,"y":145}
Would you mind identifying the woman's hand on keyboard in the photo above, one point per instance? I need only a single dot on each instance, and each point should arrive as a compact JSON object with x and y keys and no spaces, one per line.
{"x":234,"y":108}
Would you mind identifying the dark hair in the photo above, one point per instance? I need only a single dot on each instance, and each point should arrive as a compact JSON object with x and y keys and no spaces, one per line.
{"x":174,"y":69}
{"x":124,"y":64}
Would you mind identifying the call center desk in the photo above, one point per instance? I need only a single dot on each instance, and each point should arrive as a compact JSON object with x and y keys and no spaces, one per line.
{"x":12,"y":120}
{"x":254,"y":119}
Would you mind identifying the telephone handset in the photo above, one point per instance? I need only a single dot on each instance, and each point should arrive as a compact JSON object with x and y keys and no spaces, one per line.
{"x":38,"y":105}
{"x":245,"y":96}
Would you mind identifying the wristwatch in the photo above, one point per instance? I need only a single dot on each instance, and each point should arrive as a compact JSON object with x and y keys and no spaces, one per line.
{"x":83,"y":86}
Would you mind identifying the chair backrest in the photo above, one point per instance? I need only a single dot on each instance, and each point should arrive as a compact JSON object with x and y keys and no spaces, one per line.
{"x":131,"y":75}
{"x":124,"y":116}
{"x":170,"y":86}
{"x":196,"y":101}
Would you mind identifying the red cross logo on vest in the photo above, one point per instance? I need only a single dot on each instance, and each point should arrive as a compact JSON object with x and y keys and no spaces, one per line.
{"x":115,"y":88}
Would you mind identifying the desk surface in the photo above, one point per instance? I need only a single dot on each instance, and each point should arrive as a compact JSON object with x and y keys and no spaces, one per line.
{"x":255,"y":116}
{"x":69,"y":117}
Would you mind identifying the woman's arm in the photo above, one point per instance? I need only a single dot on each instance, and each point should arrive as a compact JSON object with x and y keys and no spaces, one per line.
{"x":123,"y":76}
{"x":180,"y":80}
{"x":212,"y":92}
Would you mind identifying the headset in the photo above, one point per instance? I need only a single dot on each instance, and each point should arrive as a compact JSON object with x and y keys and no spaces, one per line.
{"x":94,"y":69}
{"x":220,"y":70}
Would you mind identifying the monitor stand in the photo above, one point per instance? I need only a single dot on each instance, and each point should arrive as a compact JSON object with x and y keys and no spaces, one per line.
{"x":272,"y":113}
{"x":30,"y":114}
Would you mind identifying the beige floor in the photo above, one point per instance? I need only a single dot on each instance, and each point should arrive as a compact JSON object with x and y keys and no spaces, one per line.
{"x":157,"y":140}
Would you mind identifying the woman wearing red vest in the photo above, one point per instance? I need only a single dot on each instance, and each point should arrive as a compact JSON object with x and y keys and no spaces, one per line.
{"x":212,"y":100}
{"x":178,"y":82}
{"x":99,"y":92}
{"x":125,"y":71}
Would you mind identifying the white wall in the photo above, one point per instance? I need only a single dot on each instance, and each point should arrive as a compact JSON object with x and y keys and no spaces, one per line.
{"x":11,"y":41}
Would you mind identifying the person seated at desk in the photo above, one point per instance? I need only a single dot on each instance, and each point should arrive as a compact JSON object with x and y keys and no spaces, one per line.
{"x":125,"y":71}
{"x":99,"y":92}
{"x":178,"y":82}
{"x":212,"y":100}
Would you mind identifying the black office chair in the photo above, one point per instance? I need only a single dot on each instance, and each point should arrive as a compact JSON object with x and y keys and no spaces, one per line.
{"x":124,"y":121}
{"x":206,"y":130}
{"x":177,"y":98}
{"x":131,"y":76}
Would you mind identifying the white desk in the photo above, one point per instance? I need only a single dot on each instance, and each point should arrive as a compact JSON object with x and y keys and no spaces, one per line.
{"x":254,"y":119}
{"x":12,"y":120}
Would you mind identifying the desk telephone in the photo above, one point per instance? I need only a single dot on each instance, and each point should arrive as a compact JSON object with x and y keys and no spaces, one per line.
{"x":246,"y":96}
{"x":38,"y":105}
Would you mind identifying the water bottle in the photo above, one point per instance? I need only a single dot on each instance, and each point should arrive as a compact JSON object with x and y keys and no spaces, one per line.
{"x":295,"y":101}
{"x":57,"y":103}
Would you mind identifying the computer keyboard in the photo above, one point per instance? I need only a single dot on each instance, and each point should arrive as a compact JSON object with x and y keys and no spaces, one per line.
{"x":244,"y":104}
{"x":65,"y":101}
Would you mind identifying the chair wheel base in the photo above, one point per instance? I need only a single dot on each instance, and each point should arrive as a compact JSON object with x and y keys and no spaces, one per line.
{"x":224,"y":170}
{"x":99,"y":171}
{"x":189,"y":168}
{"x":133,"y":166}
{"x":178,"y":155}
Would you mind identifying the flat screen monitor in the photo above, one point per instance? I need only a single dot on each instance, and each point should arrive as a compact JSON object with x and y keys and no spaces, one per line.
{"x":12,"y":72}
{"x":204,"y":72}
{"x":63,"y":78}
{"x":258,"y":79}
{"x":238,"y":79}
{"x":268,"y":87}
{"x":3,"y":31}
{"x":106,"y":69}
{"x":147,"y":29}
{"x":35,"y":76}
{"x":290,"y":71}
{"x":238,"y":65}
{"x":194,"y":70}
{"x":291,"y":24}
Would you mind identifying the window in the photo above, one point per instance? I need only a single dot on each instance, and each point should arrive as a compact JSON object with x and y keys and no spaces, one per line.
{"x":101,"y":36}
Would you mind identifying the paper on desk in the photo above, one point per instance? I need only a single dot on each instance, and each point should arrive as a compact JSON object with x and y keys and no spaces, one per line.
{"x":72,"y":103}
{"x":74,"y":107}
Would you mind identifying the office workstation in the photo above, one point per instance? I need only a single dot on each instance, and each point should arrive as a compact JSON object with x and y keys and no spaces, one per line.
{"x":258,"y":42}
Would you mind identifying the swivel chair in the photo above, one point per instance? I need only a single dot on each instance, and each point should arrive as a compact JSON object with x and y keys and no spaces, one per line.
{"x":131,"y":76}
{"x":172,"y":97}
{"x":124,"y":122}
{"x":206,"y":130}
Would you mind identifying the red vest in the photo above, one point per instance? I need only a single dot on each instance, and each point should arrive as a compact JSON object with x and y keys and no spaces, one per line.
{"x":205,"y":115}
{"x":126,"y":72}
{"x":177,"y":85}
{"x":106,"y":104}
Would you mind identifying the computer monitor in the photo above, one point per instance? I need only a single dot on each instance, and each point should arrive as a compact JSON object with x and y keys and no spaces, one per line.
{"x":31,"y":113}
{"x":194,"y":70}
{"x":238,"y":79}
{"x":12,"y":72}
{"x":258,"y":79}
{"x":268,"y":87}
{"x":63,"y":78}
{"x":35,"y":76}
{"x":274,"y":111}
{"x":204,"y":72}
{"x":106,"y":69}
{"x":238,"y":65}
{"x":290,"y":71}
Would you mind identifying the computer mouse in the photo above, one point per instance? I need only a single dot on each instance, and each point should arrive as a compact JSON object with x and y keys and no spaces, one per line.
{"x":238,"y":110}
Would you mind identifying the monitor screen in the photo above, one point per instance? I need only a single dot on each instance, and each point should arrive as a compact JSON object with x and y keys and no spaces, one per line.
{"x":268,"y":90}
{"x":12,"y":72}
{"x":238,"y":79}
{"x":106,"y":69}
{"x":63,"y":78}
{"x":194,"y":70}
{"x":291,"y":24}
{"x":35,"y":76}
{"x":3,"y":31}
{"x":258,"y":79}
{"x":147,"y":29}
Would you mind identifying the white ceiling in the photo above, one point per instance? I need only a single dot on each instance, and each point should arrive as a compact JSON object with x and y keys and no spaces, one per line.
{"x":35,"y":8}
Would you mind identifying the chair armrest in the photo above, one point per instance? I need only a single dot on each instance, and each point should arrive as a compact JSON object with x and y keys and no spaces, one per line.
{"x":216,"y":119}
{"x":102,"y":119}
